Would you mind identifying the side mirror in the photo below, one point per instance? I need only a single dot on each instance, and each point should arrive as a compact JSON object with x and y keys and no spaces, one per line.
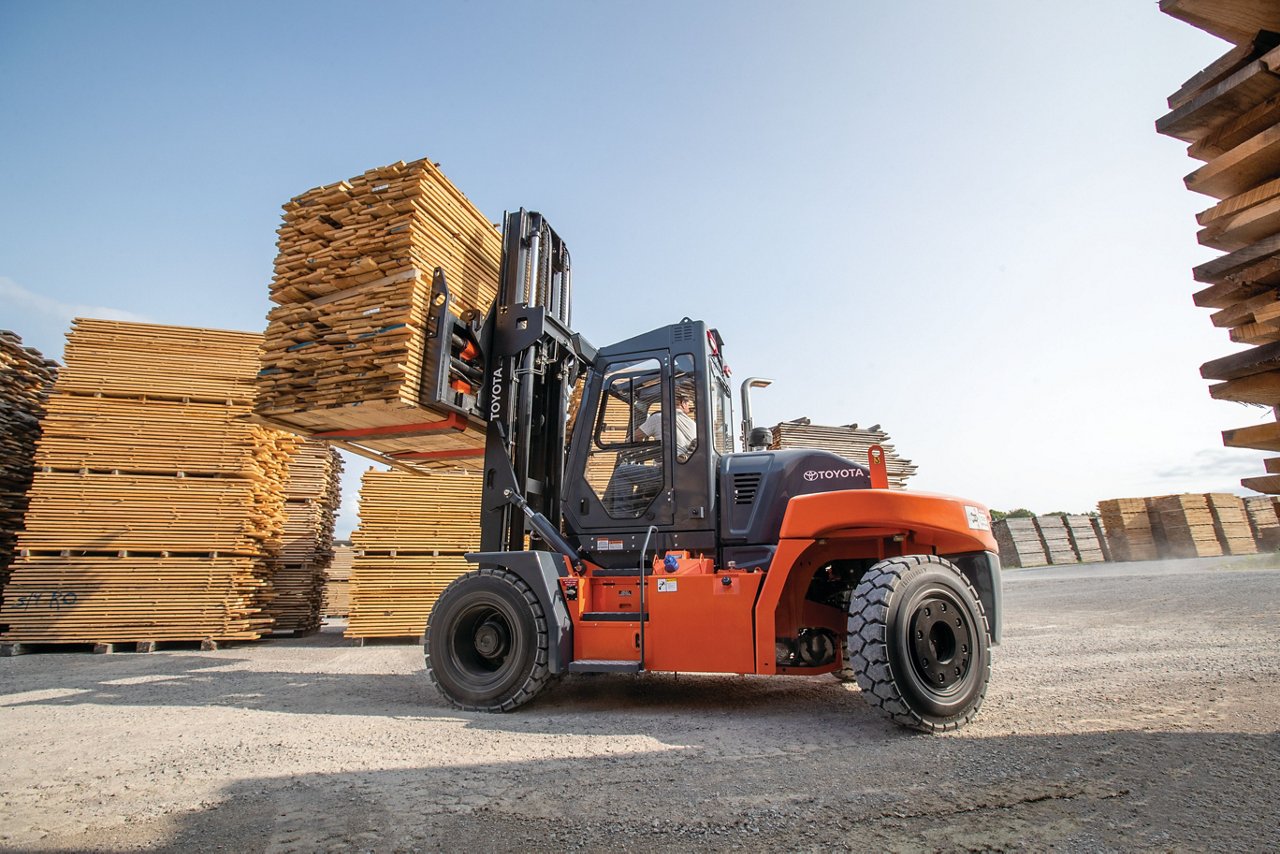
{"x":760,"y":438}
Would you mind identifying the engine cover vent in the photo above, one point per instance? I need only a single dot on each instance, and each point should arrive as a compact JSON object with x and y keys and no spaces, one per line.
{"x":745,"y":487}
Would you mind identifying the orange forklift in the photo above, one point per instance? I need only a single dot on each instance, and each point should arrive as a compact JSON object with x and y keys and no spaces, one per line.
{"x":621,"y":532}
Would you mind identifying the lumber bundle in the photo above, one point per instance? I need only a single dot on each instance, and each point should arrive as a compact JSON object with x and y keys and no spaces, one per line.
{"x":1128,"y":529}
{"x":1263,"y":522}
{"x":1057,"y":542}
{"x":25,"y":379}
{"x":1229,"y":115}
{"x":1019,"y":542}
{"x":848,"y":441}
{"x":413,"y":532}
{"x":337,"y":582}
{"x":312,"y":496}
{"x":1087,"y":541}
{"x":343,"y":351}
{"x":157,"y":506}
{"x":1186,"y":524}
{"x":1231,"y":524}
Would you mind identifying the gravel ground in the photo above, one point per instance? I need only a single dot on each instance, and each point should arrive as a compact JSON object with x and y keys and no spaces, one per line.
{"x":1133,"y":706}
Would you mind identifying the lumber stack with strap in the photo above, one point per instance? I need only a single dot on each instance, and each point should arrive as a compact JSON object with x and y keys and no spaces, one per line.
{"x":337,"y":582}
{"x":157,"y":505}
{"x":413,"y":532}
{"x":344,"y":346}
{"x":25,"y":379}
{"x":1229,"y":115}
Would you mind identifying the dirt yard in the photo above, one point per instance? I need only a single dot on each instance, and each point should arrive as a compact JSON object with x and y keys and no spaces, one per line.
{"x":1133,"y":706}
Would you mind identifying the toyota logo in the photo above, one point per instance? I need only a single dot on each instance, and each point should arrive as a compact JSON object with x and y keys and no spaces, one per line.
{"x":811,"y":475}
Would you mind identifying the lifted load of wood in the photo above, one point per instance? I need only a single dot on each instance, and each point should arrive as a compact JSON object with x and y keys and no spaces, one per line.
{"x":351,"y":354}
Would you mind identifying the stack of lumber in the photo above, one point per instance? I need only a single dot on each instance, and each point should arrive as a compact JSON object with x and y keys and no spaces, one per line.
{"x":413,"y":532}
{"x":312,"y":496}
{"x":1263,"y":522}
{"x":1019,"y":542}
{"x":1056,"y":539}
{"x":337,"y":582}
{"x":849,"y":442}
{"x":343,"y":350}
{"x":1128,"y":529}
{"x":1231,"y":524}
{"x":1229,"y":113}
{"x":1086,"y":536}
{"x":1186,"y":524}
{"x":157,"y":505}
{"x":25,"y":379}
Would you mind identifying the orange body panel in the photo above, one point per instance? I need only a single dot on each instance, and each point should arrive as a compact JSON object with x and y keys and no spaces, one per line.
{"x":706,"y":621}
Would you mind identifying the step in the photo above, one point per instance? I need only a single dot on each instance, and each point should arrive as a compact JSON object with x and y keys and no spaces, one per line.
{"x":600,"y":665}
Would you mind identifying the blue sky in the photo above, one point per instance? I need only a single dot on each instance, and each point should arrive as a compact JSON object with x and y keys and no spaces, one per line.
{"x":955,"y":220}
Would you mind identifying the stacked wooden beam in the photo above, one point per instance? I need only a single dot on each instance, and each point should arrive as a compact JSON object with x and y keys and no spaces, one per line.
{"x":157,"y":504}
{"x":1231,"y":524}
{"x":343,"y":350}
{"x":1019,"y":542}
{"x":1263,"y":522}
{"x":25,"y":379}
{"x":1057,"y":542}
{"x":1229,"y":113}
{"x":1128,"y":529}
{"x":337,"y":582}
{"x":312,"y":493}
{"x":849,"y":441}
{"x":1186,"y":524}
{"x":1086,"y":537}
{"x":413,"y":532}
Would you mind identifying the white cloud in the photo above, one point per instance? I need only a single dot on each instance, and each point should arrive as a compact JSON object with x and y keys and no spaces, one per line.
{"x":13,"y":294}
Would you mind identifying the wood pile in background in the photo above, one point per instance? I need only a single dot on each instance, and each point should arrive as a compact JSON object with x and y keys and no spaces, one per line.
{"x":25,"y":379}
{"x":312,"y":496}
{"x":157,"y":505}
{"x":1186,"y":524}
{"x":1019,"y":542}
{"x":1263,"y":522}
{"x":337,"y":582}
{"x":1231,"y":524}
{"x":1128,"y":529}
{"x":850,"y":442}
{"x":1229,"y":114}
{"x":1087,"y":539}
{"x":414,"y":529}
{"x":343,"y":349}
{"x":1026,"y":541}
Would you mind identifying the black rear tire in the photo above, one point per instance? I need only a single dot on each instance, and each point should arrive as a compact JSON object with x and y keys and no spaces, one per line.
{"x":919,"y":643}
{"x":487,"y":642}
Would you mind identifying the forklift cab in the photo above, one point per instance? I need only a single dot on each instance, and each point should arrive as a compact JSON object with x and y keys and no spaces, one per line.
{"x":653,"y":423}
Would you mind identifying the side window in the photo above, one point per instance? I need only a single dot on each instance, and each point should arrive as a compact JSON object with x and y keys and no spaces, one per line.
{"x":686,"y":411}
{"x":624,"y":465}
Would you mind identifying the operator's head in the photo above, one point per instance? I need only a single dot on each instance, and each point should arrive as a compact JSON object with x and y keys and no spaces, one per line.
{"x":684,"y":401}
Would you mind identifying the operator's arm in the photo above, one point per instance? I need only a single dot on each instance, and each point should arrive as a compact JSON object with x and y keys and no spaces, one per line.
{"x":649,"y":429}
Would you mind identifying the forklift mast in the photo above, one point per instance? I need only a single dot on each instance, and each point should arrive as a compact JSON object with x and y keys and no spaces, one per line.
{"x":533,"y":358}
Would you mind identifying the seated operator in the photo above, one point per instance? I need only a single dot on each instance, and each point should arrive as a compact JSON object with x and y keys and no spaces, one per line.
{"x":686,"y":427}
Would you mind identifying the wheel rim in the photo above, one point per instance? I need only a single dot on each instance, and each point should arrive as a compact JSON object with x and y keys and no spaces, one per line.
{"x":942,"y":643}
{"x":481,"y":641}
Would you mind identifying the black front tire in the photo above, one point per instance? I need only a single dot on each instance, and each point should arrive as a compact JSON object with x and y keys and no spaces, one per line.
{"x":919,"y":643}
{"x":487,"y":642}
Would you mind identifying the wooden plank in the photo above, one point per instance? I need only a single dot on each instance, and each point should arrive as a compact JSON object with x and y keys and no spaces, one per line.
{"x":1268,"y":484}
{"x":1212,"y":107}
{"x":1264,"y":437}
{"x":1245,"y":363}
{"x":1237,"y":21}
{"x":1261,"y":388}
{"x":1222,"y":67}
{"x":1243,"y":167}
{"x":1245,"y":228}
